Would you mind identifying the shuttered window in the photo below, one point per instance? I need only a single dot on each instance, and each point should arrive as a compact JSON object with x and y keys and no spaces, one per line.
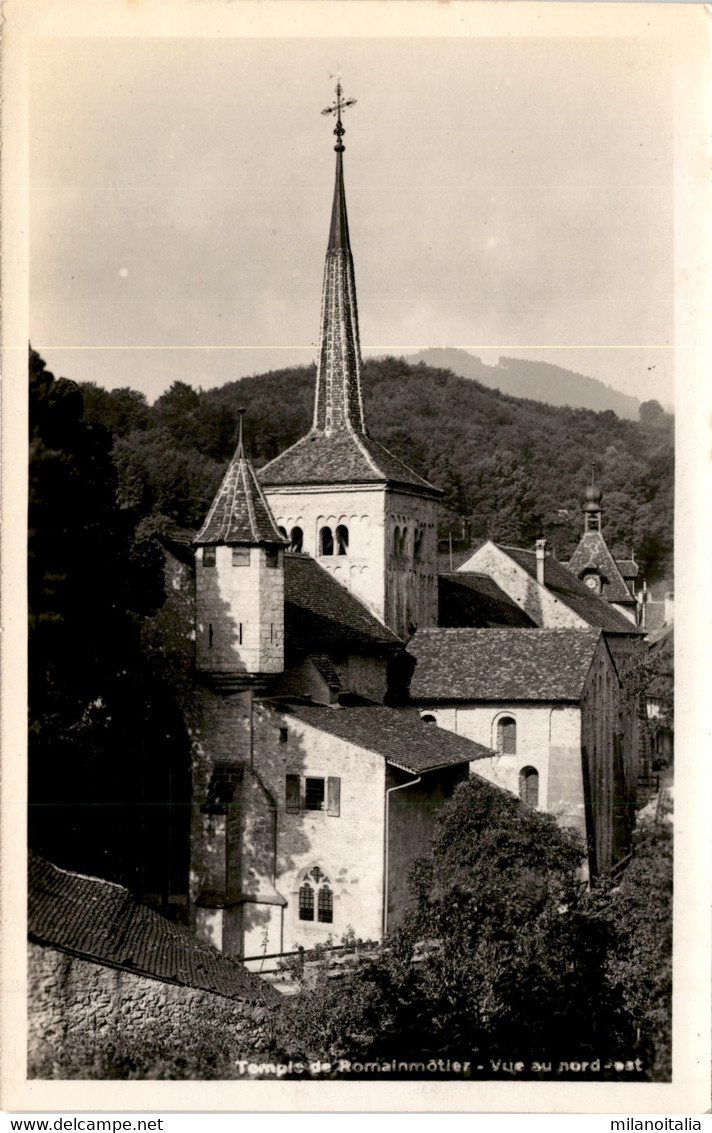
{"x":333,"y":796}
{"x":293,"y":794}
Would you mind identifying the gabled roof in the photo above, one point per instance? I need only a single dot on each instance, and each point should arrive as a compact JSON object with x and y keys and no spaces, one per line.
{"x":343,"y":457}
{"x":628,"y":568}
{"x":240,"y":513}
{"x":572,"y":592}
{"x":592,"y":554}
{"x":102,"y":921}
{"x":501,"y":664}
{"x":399,"y":736}
{"x":320,"y":611}
{"x":466,"y":598}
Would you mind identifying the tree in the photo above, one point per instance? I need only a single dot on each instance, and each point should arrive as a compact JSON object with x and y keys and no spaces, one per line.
{"x":502,"y":956}
{"x":651,"y":413}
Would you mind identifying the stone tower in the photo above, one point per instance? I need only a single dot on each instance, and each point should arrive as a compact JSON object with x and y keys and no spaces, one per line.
{"x":239,"y":580}
{"x":338,"y":494}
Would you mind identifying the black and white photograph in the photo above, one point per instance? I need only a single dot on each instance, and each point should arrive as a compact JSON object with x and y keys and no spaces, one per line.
{"x":355,"y":343}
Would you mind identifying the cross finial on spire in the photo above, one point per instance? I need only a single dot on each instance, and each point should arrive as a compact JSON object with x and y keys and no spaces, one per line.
{"x":339,"y":105}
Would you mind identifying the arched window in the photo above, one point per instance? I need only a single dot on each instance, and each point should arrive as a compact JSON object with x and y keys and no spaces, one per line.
{"x":506,"y":736}
{"x":396,"y":541}
{"x":418,"y":544}
{"x":282,"y":531}
{"x":297,"y":539}
{"x":315,"y":893}
{"x":428,"y":718}
{"x":529,"y":786}
{"x":342,"y":540}
{"x":404,"y":543}
{"x":326,"y":541}
{"x":325,"y":907}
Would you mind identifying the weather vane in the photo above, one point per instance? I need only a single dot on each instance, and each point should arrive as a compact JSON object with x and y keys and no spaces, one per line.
{"x":336,"y":108}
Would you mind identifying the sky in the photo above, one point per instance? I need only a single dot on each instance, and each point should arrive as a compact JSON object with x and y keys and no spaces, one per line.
{"x":506,"y":195}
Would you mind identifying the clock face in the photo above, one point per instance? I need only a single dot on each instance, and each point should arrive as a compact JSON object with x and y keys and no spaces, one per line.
{"x":591,"y":580}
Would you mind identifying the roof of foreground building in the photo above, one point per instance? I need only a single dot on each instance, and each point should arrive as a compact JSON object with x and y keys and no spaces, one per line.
{"x":101,"y":921}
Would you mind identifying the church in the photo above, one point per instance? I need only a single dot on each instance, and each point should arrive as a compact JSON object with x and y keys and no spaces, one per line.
{"x":336,"y":690}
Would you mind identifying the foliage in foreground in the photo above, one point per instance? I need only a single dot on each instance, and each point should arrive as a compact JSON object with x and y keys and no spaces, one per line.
{"x":522,"y":964}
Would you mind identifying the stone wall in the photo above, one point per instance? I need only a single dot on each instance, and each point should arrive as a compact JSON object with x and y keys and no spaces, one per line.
{"x":72,"y":1000}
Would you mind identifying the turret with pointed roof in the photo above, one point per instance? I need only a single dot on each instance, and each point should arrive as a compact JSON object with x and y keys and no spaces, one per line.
{"x":367,"y":516}
{"x":593,"y":562}
{"x":239,"y":565}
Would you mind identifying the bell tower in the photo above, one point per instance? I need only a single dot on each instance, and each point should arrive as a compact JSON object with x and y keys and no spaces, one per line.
{"x":339,"y":494}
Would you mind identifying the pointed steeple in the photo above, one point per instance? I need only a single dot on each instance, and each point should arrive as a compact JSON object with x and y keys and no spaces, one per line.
{"x":240,"y":513}
{"x":338,"y":404}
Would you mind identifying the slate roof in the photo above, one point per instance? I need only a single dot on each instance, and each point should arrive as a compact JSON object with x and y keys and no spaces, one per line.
{"x":318,"y":609}
{"x":399,"y":736}
{"x":592,"y":553}
{"x":573,"y":593}
{"x":466,"y":598}
{"x":501,"y":664}
{"x":102,"y":921}
{"x":240,"y":513}
{"x":342,"y":457}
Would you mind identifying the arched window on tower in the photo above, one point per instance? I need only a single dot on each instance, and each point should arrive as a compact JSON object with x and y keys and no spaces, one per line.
{"x":326,"y":541}
{"x":316,"y":895}
{"x":507,"y":735}
{"x":282,"y":531}
{"x":396,"y":542}
{"x":342,"y":540}
{"x":404,"y":543}
{"x":297,"y":539}
{"x":529,"y":786}
{"x":418,"y":544}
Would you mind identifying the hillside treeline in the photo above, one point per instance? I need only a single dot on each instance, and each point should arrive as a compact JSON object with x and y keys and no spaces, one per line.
{"x":509,"y":467}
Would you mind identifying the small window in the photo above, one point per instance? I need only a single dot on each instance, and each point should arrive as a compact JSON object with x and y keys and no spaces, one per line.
{"x":292,"y":794}
{"x":326,"y":541}
{"x":208,"y":556}
{"x":396,"y":541}
{"x":239,"y":633}
{"x":418,"y":544}
{"x":282,"y":531}
{"x":342,"y":540}
{"x":507,"y":736}
{"x":314,"y":794}
{"x":210,"y":636}
{"x":529,"y":786}
{"x":272,"y":557}
{"x":240,"y":556}
{"x":297,"y":541}
{"x":283,"y":735}
{"x":325,"y":905}
{"x":306,"y":902}
{"x":428,"y":718}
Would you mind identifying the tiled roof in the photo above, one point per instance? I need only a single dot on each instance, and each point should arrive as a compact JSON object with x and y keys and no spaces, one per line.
{"x":341,"y":457}
{"x":240,"y":513}
{"x":101,"y":921}
{"x":399,"y":736}
{"x":572,"y":592}
{"x":501,"y":664}
{"x":470,"y":599}
{"x":319,"y":610}
{"x":628,"y":567}
{"x":592,"y":554}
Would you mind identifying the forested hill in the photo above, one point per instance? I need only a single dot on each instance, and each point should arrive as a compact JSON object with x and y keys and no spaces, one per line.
{"x":508,"y":466}
{"x":541,"y":381}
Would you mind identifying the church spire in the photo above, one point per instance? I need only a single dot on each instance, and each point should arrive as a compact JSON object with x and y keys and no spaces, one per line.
{"x":338,"y":405}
